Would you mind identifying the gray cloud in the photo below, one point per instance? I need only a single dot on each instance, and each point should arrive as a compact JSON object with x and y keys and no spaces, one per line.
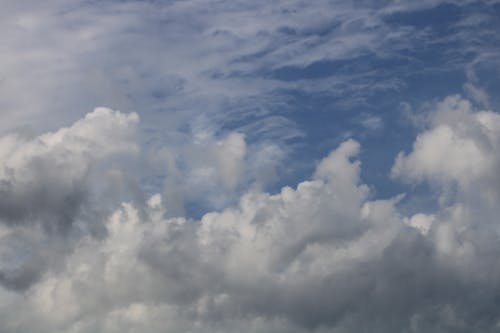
{"x":323,"y":257}
{"x":44,"y":185}
{"x":44,"y":178}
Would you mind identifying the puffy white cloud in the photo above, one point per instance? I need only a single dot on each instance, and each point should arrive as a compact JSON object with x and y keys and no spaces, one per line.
{"x":322,"y":257}
{"x":421,"y":222}
{"x":461,"y":147}
{"x":44,"y":184}
{"x":459,"y":156}
{"x":46,"y":175}
{"x":155,"y":273}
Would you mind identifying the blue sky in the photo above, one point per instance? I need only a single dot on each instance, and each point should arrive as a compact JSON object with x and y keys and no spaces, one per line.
{"x":300,"y":76}
{"x":316,"y":125}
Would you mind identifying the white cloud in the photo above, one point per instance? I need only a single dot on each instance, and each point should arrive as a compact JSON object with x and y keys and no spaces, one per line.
{"x":322,"y":257}
{"x":421,"y":222}
{"x":47,"y":174}
{"x":44,"y":186}
{"x":458,"y":155}
{"x":460,"y":146}
{"x":149,"y":269}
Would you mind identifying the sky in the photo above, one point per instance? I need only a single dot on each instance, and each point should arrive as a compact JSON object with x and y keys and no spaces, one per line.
{"x":222,"y":166}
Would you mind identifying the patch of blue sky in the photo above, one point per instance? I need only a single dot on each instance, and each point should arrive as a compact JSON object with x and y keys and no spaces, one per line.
{"x":440,"y":18}
{"x":432,"y":67}
{"x":265,"y":69}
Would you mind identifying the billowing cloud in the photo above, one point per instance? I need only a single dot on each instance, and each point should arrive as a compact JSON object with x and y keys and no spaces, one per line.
{"x":461,"y":147}
{"x":324,"y":256}
{"x":45,"y":176}
{"x":44,"y":184}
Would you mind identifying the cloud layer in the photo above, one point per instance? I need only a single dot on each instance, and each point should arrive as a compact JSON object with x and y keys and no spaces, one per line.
{"x":325,"y":256}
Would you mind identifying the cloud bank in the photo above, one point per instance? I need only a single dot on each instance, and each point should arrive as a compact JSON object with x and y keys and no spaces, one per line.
{"x":324,"y":256}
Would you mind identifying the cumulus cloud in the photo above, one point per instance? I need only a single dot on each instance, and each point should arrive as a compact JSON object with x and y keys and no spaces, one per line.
{"x":44,"y":184}
{"x":460,"y":147}
{"x":223,"y":267}
{"x":325,"y":256}
{"x":458,"y":155}
{"x":45,"y":176}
